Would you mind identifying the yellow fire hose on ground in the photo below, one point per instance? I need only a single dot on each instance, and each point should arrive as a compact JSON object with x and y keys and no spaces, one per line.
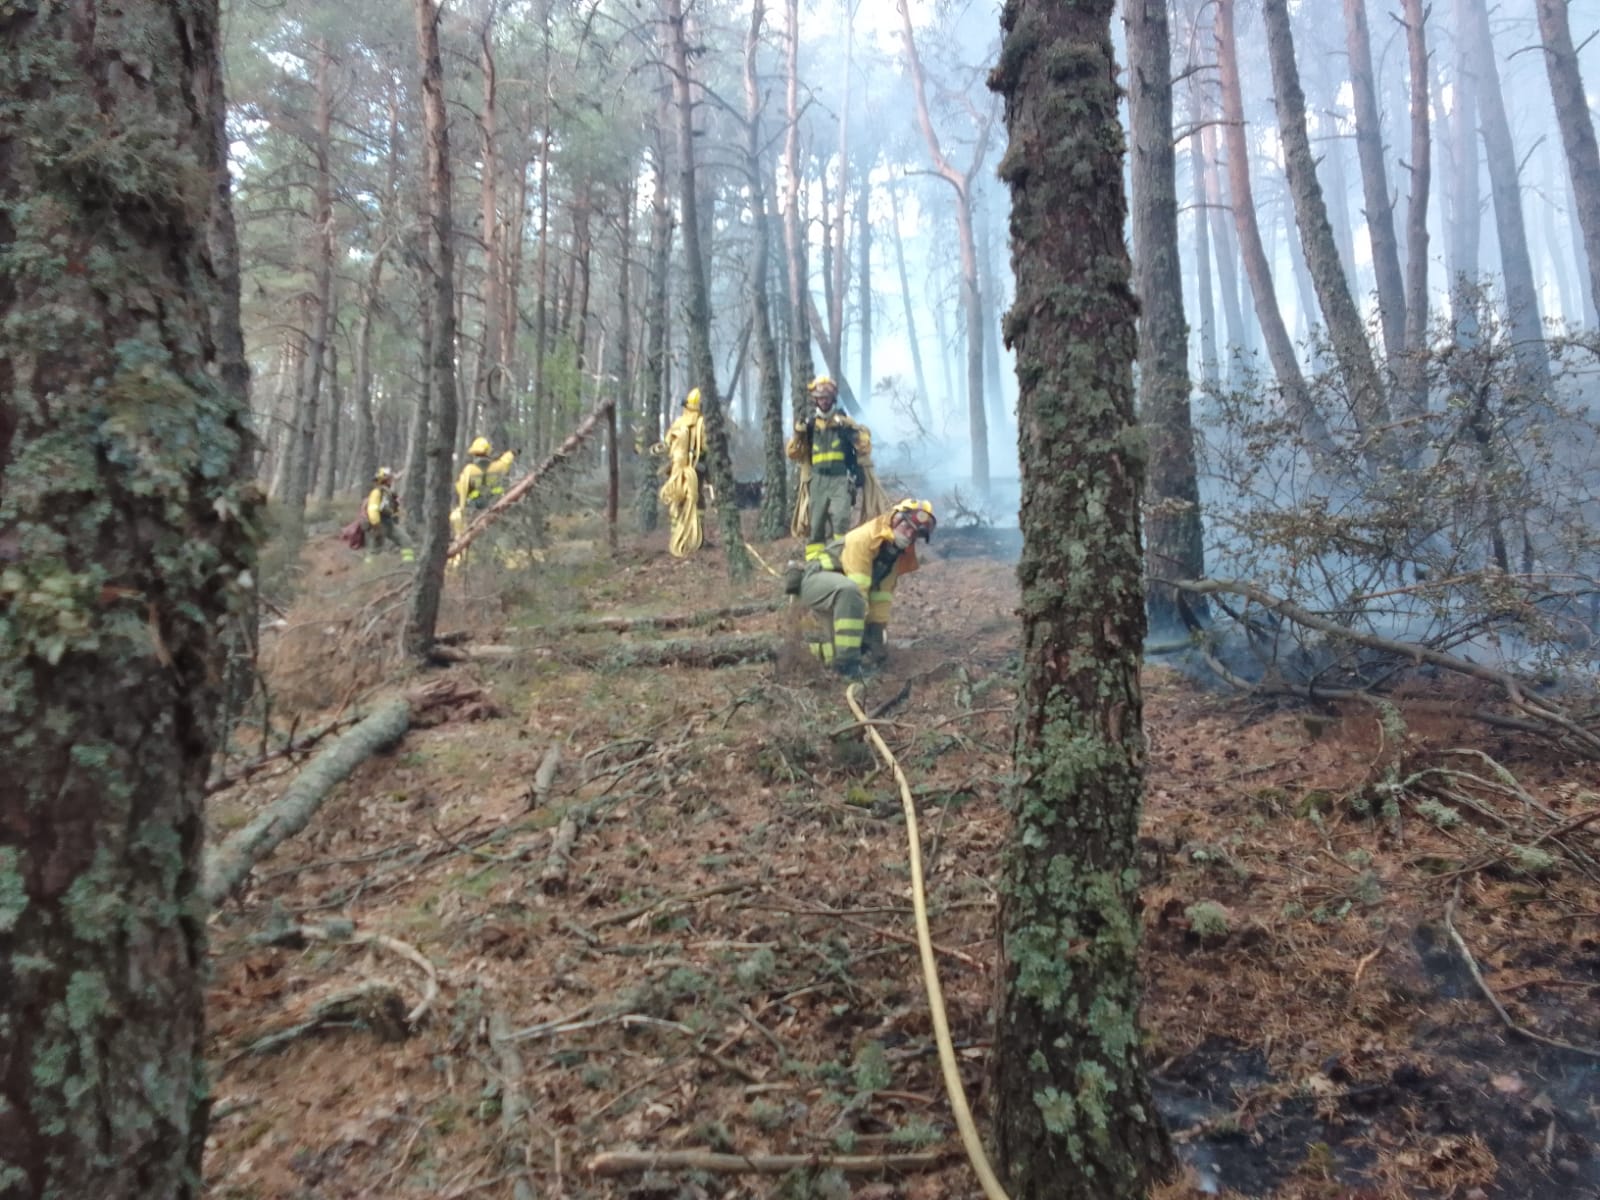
{"x":930,"y":971}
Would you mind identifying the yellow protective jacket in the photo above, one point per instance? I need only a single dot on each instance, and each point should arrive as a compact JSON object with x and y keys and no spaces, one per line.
{"x":380,"y":504}
{"x":496,"y":472}
{"x":470,"y":484}
{"x":860,"y":556}
{"x":831,"y":444}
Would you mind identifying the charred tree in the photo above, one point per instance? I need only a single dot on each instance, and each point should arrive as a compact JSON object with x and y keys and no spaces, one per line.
{"x":1174,"y":540}
{"x":423,"y":614}
{"x":1577,"y":129}
{"x":1073,"y":1111}
{"x":126,"y":531}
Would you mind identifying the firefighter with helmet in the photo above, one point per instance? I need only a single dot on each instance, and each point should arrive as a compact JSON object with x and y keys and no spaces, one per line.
{"x":849,"y":585}
{"x":383,"y":517}
{"x":832,"y":451}
{"x":481,"y":482}
{"x":685,"y":451}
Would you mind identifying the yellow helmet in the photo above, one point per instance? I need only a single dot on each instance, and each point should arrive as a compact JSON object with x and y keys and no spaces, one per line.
{"x":916,"y":513}
{"x":480,"y":447}
{"x":383,"y":475}
{"x":822,"y":386}
{"x":692,"y":400}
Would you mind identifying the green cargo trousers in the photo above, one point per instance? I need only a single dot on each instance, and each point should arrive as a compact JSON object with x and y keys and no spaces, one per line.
{"x":838,"y":621}
{"x":830,"y":503}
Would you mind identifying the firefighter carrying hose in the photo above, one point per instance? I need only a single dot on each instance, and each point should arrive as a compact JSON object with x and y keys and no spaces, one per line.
{"x":849,"y":585}
{"x":835,"y":457}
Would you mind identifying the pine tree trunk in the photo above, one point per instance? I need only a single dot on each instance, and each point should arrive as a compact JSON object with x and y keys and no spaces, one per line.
{"x":1345,"y":328}
{"x":1464,"y":196}
{"x":1522,"y":297}
{"x":1217,"y":210}
{"x":1412,"y":397}
{"x":1174,"y":548}
{"x":491,"y":355}
{"x":423,"y":614}
{"x":794,"y":230}
{"x":924,"y":405}
{"x":773,"y":520}
{"x":124,"y":555}
{"x":864,"y":276}
{"x":1073,"y":1111}
{"x":303,"y":469}
{"x":702,"y":365}
{"x":1210,"y":375}
{"x":1375,"y":181}
{"x":971,"y":297}
{"x":626,"y":448}
{"x":1280,"y":349}
{"x":656,"y":315}
{"x":327,"y":480}
{"x":1577,"y":129}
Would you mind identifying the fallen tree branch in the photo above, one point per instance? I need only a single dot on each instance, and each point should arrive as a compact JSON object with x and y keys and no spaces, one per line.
{"x":544,"y":778}
{"x":1488,"y":993}
{"x":229,"y":865}
{"x":531,"y":480}
{"x":513,"y":1104}
{"x":344,"y":933}
{"x":626,"y":1162}
{"x":553,"y":879}
{"x":375,"y":1003}
{"x":666,"y":620}
{"x":292,"y":747}
{"x":1509,"y":685}
{"x":728,"y":651}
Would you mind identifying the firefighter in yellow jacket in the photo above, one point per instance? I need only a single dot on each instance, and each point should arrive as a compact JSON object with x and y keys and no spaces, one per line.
{"x":849,"y":585}
{"x":685,"y":451}
{"x":383,"y":517}
{"x":481,"y":482}
{"x":831,"y":450}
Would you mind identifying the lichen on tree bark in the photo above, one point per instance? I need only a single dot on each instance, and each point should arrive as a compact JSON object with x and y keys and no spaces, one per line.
{"x":125,"y":538}
{"x":1073,"y":1110}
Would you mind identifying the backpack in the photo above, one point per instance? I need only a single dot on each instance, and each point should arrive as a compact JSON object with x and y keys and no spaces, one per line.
{"x":354,"y":534}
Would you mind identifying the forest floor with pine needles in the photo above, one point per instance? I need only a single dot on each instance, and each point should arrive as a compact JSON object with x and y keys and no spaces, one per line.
{"x":725,"y":960}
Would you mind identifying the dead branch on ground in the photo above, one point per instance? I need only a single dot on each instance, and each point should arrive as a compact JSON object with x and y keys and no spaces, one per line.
{"x":291,"y":812}
{"x":375,"y":1004}
{"x":626,"y":1162}
{"x":1488,"y":992}
{"x":294,"y":745}
{"x":344,"y":933}
{"x":513,"y":1104}
{"x":731,"y":650}
{"x":664,"y":620}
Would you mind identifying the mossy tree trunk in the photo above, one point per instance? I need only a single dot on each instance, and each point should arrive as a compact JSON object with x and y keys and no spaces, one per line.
{"x":702,"y":366}
{"x":1175,"y":538}
{"x":440,"y":430}
{"x":1073,"y":1109}
{"x":773,"y":520}
{"x":125,"y":538}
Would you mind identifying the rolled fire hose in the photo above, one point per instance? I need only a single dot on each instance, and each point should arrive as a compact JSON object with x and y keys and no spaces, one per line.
{"x":930,"y":970}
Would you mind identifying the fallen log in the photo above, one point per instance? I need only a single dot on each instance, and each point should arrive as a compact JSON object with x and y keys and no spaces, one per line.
{"x":666,"y":620}
{"x":553,"y":879}
{"x":513,"y":1105}
{"x":728,"y":651}
{"x":229,"y":865}
{"x":295,"y":745}
{"x":626,"y":1162}
{"x":531,"y":480}
{"x":544,"y":778}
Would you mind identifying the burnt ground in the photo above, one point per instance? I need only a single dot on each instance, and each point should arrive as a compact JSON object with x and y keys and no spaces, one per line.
{"x":730,"y":965}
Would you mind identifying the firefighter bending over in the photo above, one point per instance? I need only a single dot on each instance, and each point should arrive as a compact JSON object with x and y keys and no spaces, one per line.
{"x":850,"y":584}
